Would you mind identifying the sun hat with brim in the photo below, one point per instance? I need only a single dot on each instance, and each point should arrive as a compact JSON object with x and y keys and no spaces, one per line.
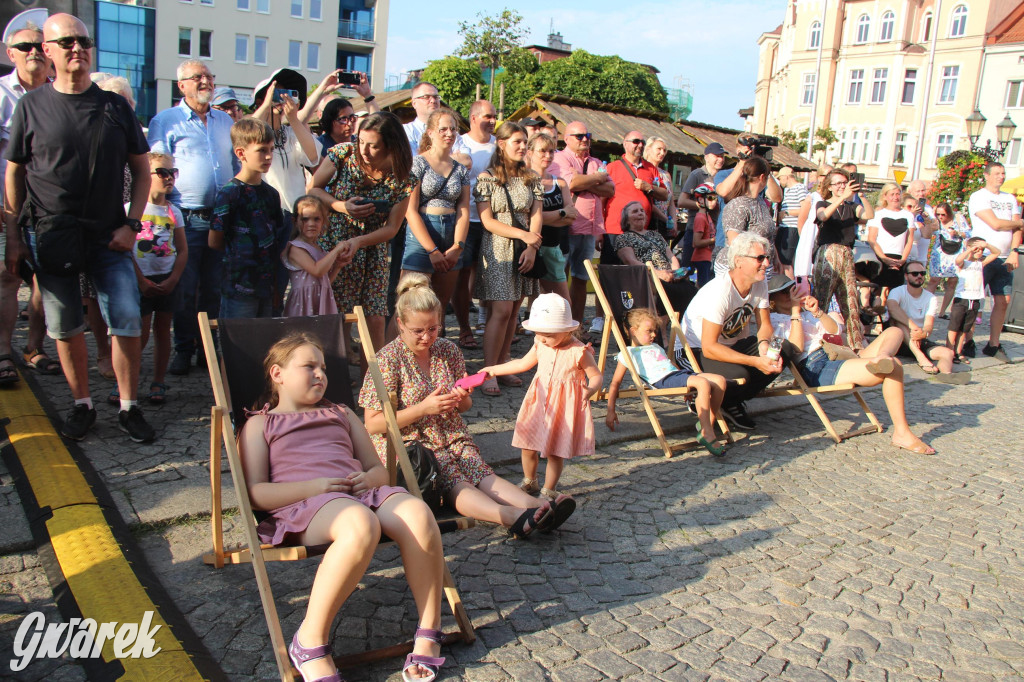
{"x":287,"y":79}
{"x":36,"y":17}
{"x":779,"y":283}
{"x":550,"y":314}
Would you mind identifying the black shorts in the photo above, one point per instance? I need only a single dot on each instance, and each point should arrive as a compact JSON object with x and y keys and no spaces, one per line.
{"x":926,"y":345}
{"x":962,"y":314}
{"x":168,"y":303}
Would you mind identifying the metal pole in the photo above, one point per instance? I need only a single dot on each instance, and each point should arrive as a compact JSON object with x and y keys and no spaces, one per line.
{"x":919,"y":148}
{"x":817,"y":75}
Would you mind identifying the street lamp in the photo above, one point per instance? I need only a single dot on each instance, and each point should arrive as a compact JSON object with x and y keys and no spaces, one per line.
{"x":1004,"y":133}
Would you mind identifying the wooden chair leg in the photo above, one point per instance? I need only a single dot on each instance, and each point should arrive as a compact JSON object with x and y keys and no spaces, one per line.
{"x":826,"y":422}
{"x":868,"y":411}
{"x":216,"y":499}
{"x":458,"y":609}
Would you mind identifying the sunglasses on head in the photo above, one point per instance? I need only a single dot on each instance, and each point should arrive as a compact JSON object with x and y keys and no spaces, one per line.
{"x":580,"y":136}
{"x":68,"y":42}
{"x":165,"y":173}
{"x":27,"y":47}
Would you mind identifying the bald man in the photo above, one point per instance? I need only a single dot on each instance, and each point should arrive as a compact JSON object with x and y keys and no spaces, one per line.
{"x":75,"y":116}
{"x":635,"y":180}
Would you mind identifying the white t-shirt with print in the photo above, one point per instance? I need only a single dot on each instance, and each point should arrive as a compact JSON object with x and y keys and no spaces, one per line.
{"x":719,"y":302}
{"x":481,"y":155}
{"x":917,"y":309}
{"x":814,"y":330}
{"x":652,"y":363}
{"x":154,"y":246}
{"x":1004,"y":206}
{"x":970,"y":283}
{"x":893,"y":245}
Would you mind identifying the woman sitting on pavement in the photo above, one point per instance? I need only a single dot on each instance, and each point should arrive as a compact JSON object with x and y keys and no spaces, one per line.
{"x":638,"y":245}
{"x":805,"y":325}
{"x":422,"y":370}
{"x":716,"y":327}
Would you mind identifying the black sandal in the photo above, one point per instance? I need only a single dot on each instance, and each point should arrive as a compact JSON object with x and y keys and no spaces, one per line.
{"x":8,"y":374}
{"x":526,"y":523}
{"x":40,"y":361}
{"x":562,"y":508}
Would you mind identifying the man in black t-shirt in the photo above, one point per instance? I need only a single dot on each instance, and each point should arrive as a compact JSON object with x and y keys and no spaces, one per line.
{"x":48,"y":175}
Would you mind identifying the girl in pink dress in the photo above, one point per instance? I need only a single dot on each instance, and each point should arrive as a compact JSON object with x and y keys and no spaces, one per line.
{"x":311,"y":464}
{"x":311,"y":271}
{"x":555,"y":420}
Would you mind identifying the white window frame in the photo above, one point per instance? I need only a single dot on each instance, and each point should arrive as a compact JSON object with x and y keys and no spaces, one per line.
{"x":903,"y":91}
{"x":190,"y":41}
{"x":853,"y":145}
{"x":1014,"y":102}
{"x":899,"y":142}
{"x":842,"y":145}
{"x":862,"y":29}
{"x":888,"y":26}
{"x":808,"y":88}
{"x":867,"y":147}
{"x":814,"y":36}
{"x":319,"y":16}
{"x":939,"y":145}
{"x":241,"y":37}
{"x":199,"y":46}
{"x":859,"y":81}
{"x":297,"y":62}
{"x":291,"y":8}
{"x":878,"y":147}
{"x":926,"y":28}
{"x":255,"y":50}
{"x":265,"y":4}
{"x":954,"y":78}
{"x":878,"y":85}
{"x":311,"y":64}
{"x":247,"y":5}
{"x":958,"y":19}
{"x":1013,"y":152}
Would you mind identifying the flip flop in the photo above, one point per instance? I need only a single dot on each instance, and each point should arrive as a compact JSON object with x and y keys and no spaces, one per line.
{"x":929,"y":369}
{"x":920,"y":448}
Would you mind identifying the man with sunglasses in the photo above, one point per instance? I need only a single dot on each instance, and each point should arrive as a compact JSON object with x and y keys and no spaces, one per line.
{"x":50,"y":173}
{"x":913,"y":310}
{"x":31,"y":70}
{"x":636,"y":179}
{"x":198,"y":137}
{"x":590,"y":187}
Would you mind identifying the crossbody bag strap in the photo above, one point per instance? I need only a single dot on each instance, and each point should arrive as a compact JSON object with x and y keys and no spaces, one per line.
{"x":586,"y":164}
{"x":94,"y":148}
{"x":628,"y":168}
{"x":511,"y":209}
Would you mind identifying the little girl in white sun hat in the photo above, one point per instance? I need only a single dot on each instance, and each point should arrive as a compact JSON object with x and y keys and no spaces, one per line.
{"x":554,"y":421}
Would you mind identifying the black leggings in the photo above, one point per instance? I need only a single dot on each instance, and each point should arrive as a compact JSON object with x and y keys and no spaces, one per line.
{"x":756,"y":380}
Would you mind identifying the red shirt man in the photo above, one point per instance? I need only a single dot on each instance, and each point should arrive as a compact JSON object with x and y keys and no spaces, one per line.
{"x":635,"y":180}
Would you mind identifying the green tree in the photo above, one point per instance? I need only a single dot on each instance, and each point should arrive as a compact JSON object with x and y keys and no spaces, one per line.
{"x":961,"y":173}
{"x":519,"y":77}
{"x":456,"y":80}
{"x":491,"y":38}
{"x":609,"y":80}
{"x":797,"y":140}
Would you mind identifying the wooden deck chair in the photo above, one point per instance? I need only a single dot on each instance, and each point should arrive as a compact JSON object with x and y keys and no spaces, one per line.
{"x":796,"y":387}
{"x":613,"y":328}
{"x":244,"y":344}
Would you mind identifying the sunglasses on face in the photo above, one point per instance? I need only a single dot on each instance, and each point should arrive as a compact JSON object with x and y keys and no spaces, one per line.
{"x":940,"y":215}
{"x":27,"y":47}
{"x":916,"y":273}
{"x":759,"y":258}
{"x":68,"y":42}
{"x":637,"y":141}
{"x":165,"y":173}
{"x":345,"y":119}
{"x":580,"y":136}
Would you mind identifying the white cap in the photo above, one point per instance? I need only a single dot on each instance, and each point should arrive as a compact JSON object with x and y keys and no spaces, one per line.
{"x":20,"y":21}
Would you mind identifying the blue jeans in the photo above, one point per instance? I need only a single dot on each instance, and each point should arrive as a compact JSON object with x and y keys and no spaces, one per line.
{"x":200,"y":284}
{"x":238,"y":308}
{"x":117,"y":292}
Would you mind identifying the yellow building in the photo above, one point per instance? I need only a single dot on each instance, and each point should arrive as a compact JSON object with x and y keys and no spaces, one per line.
{"x":895,"y":79}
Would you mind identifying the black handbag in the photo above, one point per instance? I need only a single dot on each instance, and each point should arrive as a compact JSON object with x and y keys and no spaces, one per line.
{"x":950,"y":247}
{"x":60,"y":239}
{"x":427,"y":471}
{"x":539,"y":270}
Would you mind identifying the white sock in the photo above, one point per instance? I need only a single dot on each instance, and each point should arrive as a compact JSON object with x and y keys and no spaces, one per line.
{"x":87,"y":401}
{"x":128,"y":404}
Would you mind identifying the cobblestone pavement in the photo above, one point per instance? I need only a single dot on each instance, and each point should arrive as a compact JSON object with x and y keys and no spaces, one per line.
{"x":789,"y":558}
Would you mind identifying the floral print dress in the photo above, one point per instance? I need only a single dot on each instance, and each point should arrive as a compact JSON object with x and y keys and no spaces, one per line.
{"x":364,"y":281}
{"x":499,"y":278}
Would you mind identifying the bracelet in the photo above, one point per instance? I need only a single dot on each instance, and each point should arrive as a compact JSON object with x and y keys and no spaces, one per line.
{"x":369,"y":99}
{"x":796,"y":318}
{"x":433,"y":250}
{"x":762,"y":341}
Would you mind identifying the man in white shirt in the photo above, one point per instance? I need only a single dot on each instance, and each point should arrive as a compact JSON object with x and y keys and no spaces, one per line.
{"x":925,"y":217}
{"x":995,"y":217}
{"x":913,"y":310}
{"x":479,"y":145}
{"x":31,"y":68}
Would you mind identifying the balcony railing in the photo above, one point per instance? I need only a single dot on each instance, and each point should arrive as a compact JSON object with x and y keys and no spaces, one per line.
{"x":355,"y":30}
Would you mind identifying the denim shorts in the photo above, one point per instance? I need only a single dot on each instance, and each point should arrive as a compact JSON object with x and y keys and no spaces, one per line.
{"x":998,"y":279}
{"x":818,"y":370}
{"x":117,"y":292}
{"x":554,"y":261}
{"x":442,"y":232}
{"x":581,"y":248}
{"x":245,"y":308}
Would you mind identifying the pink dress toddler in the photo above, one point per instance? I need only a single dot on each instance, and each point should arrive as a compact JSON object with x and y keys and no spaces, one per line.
{"x":303,"y":446}
{"x":308,"y":295}
{"x":555,"y":419}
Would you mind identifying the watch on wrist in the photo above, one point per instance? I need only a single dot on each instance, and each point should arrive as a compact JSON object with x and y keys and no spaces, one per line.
{"x":461,"y":245}
{"x":369,"y":99}
{"x":135,"y":224}
{"x":561,"y":213}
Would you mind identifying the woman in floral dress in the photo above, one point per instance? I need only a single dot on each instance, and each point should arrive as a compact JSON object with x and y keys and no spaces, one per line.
{"x":953,"y":226}
{"x":367,"y":186}
{"x":500,"y":282}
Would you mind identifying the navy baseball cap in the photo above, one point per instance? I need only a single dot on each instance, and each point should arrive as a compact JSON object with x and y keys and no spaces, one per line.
{"x":715,"y":148}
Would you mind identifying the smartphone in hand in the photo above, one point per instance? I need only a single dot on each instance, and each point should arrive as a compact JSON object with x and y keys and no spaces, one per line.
{"x":472,"y":381}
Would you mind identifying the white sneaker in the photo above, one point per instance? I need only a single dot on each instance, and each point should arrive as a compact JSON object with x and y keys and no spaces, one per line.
{"x":597,"y":325}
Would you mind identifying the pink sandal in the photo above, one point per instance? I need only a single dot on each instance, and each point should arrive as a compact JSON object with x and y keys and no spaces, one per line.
{"x":433,"y":665}
{"x":490,"y":387}
{"x":300,"y":655}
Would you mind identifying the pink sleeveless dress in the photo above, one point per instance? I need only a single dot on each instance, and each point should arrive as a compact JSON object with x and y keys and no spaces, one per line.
{"x":308,"y":295}
{"x":555,"y":420}
{"x":307,"y":445}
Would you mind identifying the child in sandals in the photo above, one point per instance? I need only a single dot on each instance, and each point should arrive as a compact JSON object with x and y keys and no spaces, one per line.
{"x":656,"y":369}
{"x":311,"y":464}
{"x":555,"y":420}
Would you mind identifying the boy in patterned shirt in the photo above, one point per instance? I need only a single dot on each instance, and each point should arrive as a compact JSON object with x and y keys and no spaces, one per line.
{"x":247,"y":220}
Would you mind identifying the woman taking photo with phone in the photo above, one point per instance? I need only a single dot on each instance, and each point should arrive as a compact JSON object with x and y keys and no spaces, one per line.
{"x":367,"y":187}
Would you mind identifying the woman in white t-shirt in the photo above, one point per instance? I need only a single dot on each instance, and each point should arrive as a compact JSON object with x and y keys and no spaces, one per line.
{"x":805,"y":325}
{"x":891,"y":235}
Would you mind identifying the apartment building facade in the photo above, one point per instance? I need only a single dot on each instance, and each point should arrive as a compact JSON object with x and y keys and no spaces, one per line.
{"x":895,"y":79}
{"x":244,"y":41}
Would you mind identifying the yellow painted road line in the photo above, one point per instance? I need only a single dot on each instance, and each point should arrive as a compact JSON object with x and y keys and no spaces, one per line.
{"x":99,"y":576}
